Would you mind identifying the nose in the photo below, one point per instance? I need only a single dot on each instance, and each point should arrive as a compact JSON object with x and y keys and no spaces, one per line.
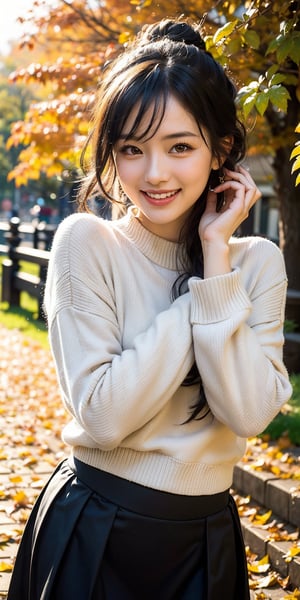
{"x":156,"y":170}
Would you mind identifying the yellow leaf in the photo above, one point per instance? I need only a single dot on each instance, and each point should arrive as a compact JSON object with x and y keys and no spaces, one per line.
{"x":21,"y":499}
{"x":24,"y":453}
{"x":296,"y":165}
{"x":141,"y":3}
{"x":16,"y":478}
{"x":275,"y":470}
{"x":5,"y":567}
{"x":224,"y":31}
{"x":29,"y":440}
{"x":259,"y":566}
{"x":294,"y":551}
{"x":124,"y":37}
{"x":262,"y":519}
{"x":264,"y":582}
{"x":296,"y":151}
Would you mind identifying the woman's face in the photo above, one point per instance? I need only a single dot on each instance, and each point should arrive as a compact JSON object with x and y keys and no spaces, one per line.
{"x":164,"y":176}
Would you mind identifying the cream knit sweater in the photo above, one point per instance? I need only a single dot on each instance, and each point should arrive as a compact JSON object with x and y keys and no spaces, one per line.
{"x":122,"y":349}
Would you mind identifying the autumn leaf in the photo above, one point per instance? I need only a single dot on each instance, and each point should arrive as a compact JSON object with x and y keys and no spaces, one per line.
{"x":15,"y":478}
{"x":4,"y":539}
{"x":29,"y":440}
{"x":293,"y":596}
{"x":259,"y":566}
{"x":265,"y":582}
{"x":224,"y":31}
{"x":294,"y":551}
{"x":21,"y":499}
{"x":296,"y":150}
{"x":73,"y":40}
{"x":5,"y":567}
{"x":262,"y":519}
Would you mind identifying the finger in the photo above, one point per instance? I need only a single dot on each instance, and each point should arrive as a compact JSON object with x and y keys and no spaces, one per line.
{"x":240,"y":195}
{"x":244,"y":177}
{"x":248,"y":177}
{"x":240,"y":175}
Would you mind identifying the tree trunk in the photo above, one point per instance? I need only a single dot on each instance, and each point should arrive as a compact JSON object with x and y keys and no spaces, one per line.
{"x":289,"y":202}
{"x":283,"y":130}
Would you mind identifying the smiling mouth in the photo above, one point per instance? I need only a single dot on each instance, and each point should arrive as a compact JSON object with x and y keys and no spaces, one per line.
{"x":160,"y":197}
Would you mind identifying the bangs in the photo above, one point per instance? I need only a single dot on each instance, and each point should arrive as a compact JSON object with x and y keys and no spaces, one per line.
{"x":147,"y":93}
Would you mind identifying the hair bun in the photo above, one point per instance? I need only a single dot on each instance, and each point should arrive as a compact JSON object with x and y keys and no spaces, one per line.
{"x":176,"y":31}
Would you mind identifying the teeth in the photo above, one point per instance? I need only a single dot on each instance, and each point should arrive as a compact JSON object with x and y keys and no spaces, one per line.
{"x":161,"y":196}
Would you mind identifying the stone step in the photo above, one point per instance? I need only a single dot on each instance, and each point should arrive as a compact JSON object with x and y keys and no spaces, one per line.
{"x":281,"y":496}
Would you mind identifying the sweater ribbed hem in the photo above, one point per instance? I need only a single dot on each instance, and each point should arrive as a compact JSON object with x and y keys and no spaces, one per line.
{"x":216,"y":298}
{"x":159,"y":471}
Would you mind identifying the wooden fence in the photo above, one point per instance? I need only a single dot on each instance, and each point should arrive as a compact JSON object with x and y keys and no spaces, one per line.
{"x":15,"y":281}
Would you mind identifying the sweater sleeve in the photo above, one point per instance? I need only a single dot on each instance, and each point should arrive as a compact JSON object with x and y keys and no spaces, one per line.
{"x":238,"y":340}
{"x":110,"y":391}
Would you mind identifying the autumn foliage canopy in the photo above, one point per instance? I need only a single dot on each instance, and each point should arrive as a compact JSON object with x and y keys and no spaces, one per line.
{"x":258,"y":41}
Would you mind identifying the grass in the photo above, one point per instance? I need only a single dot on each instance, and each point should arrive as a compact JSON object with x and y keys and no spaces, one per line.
{"x":287,"y":422}
{"x":25,"y":320}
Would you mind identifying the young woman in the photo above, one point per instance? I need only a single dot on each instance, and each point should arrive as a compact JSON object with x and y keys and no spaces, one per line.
{"x":167,"y":336}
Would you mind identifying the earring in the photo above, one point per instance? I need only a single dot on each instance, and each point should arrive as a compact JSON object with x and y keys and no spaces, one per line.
{"x":217,"y":177}
{"x":221,"y":175}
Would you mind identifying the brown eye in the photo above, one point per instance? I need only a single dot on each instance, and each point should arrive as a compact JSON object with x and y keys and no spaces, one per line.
{"x":130,"y":150}
{"x":180,"y":148}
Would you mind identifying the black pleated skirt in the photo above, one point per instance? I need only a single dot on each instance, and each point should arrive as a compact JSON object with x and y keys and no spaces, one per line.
{"x":94,"y":536}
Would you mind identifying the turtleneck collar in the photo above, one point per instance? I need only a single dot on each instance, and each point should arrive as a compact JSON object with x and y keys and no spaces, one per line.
{"x":160,"y":251}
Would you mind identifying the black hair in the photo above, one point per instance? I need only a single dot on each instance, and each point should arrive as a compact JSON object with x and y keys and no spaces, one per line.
{"x":177,"y":31}
{"x":166,"y":59}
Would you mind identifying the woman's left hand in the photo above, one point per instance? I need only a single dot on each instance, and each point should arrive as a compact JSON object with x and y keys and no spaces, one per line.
{"x":240,"y":194}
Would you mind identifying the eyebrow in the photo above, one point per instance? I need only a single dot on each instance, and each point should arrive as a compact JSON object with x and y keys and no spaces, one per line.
{"x":170,"y":136}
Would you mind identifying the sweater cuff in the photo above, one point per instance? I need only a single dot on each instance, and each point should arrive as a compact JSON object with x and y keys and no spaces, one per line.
{"x":217,"y":298}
